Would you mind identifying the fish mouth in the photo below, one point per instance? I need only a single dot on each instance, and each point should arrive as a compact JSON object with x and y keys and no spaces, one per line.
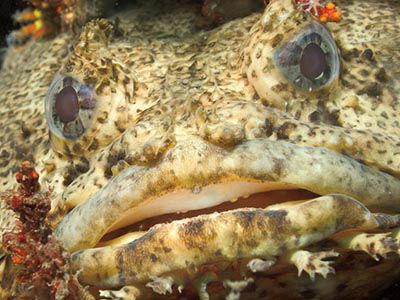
{"x":127,"y":229}
{"x":259,"y":199}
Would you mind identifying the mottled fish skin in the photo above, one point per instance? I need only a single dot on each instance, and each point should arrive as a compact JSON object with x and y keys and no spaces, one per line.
{"x":230,"y":235}
{"x":178,"y":107}
{"x":192,"y":163}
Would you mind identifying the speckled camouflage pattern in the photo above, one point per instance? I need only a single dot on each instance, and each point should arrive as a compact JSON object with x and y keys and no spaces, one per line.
{"x":181,"y":109}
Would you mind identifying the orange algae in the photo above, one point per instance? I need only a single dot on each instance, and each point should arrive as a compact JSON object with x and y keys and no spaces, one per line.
{"x":327,"y":13}
{"x":48,"y":17}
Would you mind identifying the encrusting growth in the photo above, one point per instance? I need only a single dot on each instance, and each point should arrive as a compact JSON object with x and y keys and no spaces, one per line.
{"x":325,"y":13}
{"x":41,"y":262}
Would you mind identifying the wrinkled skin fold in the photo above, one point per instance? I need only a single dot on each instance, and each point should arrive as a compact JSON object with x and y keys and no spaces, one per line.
{"x":244,"y":233}
{"x":262,"y":161}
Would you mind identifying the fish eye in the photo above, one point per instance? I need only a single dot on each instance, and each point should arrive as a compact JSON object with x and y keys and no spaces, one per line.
{"x":310,"y":60}
{"x":69,"y":107}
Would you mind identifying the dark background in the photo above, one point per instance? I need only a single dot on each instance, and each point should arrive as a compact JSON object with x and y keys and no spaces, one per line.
{"x":7,"y":9}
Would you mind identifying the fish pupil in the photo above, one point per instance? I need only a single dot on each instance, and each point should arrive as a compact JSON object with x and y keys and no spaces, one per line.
{"x":67,"y":104}
{"x":313,"y":61}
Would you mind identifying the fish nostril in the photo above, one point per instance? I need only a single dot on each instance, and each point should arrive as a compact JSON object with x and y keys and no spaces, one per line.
{"x":67,"y":104}
{"x":313,"y":61}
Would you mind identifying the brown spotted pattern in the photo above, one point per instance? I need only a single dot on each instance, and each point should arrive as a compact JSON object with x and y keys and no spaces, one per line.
{"x":191,"y":84}
{"x":178,"y":106}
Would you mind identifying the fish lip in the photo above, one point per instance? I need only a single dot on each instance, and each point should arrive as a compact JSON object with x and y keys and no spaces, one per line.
{"x":240,"y":234}
{"x":194,"y":162}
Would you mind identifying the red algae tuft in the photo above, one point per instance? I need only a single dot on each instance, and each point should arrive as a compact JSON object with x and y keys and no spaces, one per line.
{"x":43,"y":264}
